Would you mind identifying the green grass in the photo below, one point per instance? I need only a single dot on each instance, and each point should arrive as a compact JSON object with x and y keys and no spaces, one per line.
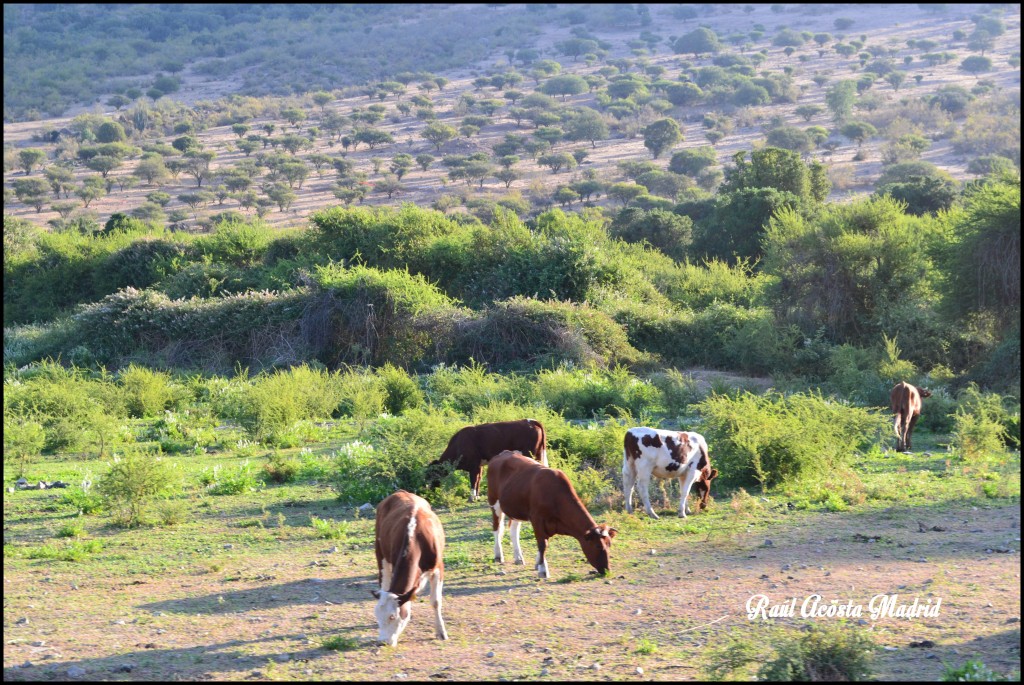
{"x":339,"y":643}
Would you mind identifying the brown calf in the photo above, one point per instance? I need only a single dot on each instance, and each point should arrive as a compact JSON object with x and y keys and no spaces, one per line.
{"x":410,"y":550}
{"x":473,"y":446}
{"x":523,"y":490}
{"x":905,"y":402}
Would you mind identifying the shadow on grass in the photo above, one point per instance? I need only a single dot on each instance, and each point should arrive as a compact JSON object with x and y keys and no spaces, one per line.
{"x":211,"y":661}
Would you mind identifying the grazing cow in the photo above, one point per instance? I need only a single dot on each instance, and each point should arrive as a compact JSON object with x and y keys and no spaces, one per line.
{"x":665,"y":454}
{"x":905,"y":402}
{"x":410,"y":547}
{"x":473,"y":446}
{"x":523,"y":490}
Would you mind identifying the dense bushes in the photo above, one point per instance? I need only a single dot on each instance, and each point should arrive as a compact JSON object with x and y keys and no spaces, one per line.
{"x":772,"y":440}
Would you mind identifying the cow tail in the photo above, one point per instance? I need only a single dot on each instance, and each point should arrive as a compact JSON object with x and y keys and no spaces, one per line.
{"x":543,"y":442}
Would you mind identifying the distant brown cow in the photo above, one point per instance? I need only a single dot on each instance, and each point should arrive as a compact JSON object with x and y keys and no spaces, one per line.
{"x":523,"y":490}
{"x":905,"y":402}
{"x":471,"y":447}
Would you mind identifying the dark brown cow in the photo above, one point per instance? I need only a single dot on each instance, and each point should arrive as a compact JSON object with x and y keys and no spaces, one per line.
{"x":905,"y":402}
{"x":410,"y":550}
{"x":523,"y":490}
{"x":473,"y":446}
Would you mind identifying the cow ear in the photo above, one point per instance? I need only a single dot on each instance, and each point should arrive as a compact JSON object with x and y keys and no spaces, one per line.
{"x":714,"y":474}
{"x":375,"y":593}
{"x":612,"y":532}
{"x":403,"y":598}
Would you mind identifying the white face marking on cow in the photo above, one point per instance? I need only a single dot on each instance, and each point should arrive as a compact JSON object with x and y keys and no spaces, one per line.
{"x":391,"y":618}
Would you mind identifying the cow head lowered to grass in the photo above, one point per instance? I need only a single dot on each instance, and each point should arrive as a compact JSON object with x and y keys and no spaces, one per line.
{"x":471,"y":447}
{"x":409,"y":544}
{"x":523,"y":490}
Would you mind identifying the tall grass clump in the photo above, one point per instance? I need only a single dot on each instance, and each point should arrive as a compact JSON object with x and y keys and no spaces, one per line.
{"x":401,"y":390}
{"x":272,"y":403}
{"x":819,"y":654}
{"x":773,"y":439}
{"x":464,"y":388}
{"x":75,"y":410}
{"x":147,"y":392}
{"x":592,"y":391}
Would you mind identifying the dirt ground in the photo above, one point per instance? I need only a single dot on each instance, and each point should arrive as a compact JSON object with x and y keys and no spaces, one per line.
{"x":674,"y":593}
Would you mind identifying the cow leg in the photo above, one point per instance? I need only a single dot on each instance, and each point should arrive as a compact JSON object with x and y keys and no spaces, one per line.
{"x":435,"y":601}
{"x":900,"y":447}
{"x":474,"y":482}
{"x":542,"y":547}
{"x":498,"y":520}
{"x":910,"y":429}
{"x":684,"y":489}
{"x":643,"y":479}
{"x":628,"y":480}
{"x":513,"y":532}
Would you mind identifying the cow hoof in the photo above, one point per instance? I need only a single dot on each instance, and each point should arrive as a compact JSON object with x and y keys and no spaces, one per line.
{"x":653,"y":515}
{"x":520,"y":562}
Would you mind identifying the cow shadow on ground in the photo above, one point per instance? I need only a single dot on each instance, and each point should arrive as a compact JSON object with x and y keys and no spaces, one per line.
{"x":307,"y":591}
{"x":150,"y":663}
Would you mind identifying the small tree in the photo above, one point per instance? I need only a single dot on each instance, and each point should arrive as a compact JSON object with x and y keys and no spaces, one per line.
{"x":438,"y":133}
{"x":976,"y":65}
{"x":30,"y":158}
{"x":23,"y":439}
{"x":131,"y":484}
{"x":661,"y":135}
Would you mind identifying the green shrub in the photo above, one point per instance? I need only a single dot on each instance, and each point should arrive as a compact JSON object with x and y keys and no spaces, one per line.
{"x":978,"y":428}
{"x":590,"y":392}
{"x":147,"y":393}
{"x":172,"y":512}
{"x":815,"y":654}
{"x":363,"y":474}
{"x":464,"y":388}
{"x":273,"y":403}
{"x":131,"y":484}
{"x":24,"y":438}
{"x":73,"y":529}
{"x":81,"y":500}
{"x":280,"y":469}
{"x":401,"y":391}
{"x":233,"y":481}
{"x":973,"y":671}
{"x":774,"y":439}
{"x":326,"y":529}
{"x":821,"y":654}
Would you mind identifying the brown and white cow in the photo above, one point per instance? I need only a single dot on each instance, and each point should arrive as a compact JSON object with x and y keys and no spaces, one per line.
{"x":905,"y":402}
{"x":471,"y":447}
{"x":410,"y":550}
{"x":523,"y":490}
{"x":650,"y":452}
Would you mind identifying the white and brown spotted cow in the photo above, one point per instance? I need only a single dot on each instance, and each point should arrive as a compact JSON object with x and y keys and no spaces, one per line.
{"x":410,"y":550}
{"x":665,"y":454}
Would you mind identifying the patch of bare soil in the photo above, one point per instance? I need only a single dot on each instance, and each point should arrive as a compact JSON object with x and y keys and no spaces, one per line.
{"x":682,"y":594}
